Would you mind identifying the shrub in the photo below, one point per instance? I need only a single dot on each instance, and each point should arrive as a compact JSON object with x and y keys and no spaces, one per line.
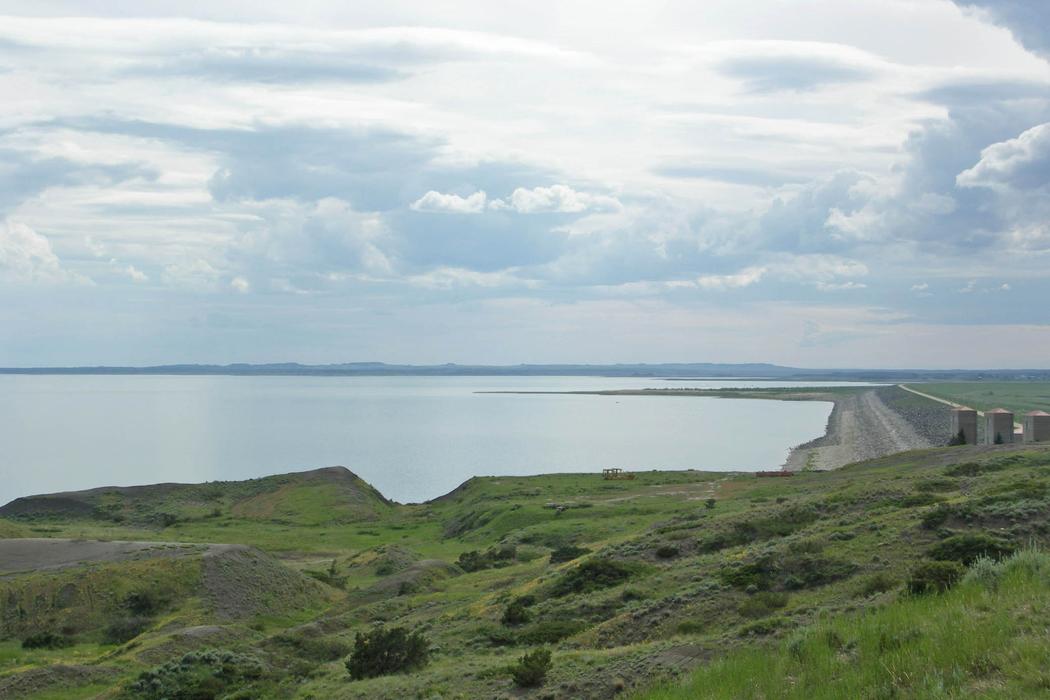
{"x":493,"y":557}
{"x":46,"y":640}
{"x":567,"y":552}
{"x":691,"y":627}
{"x":762,"y":604}
{"x":144,"y":603}
{"x":876,"y":583}
{"x":934,"y":577}
{"x":531,"y":669}
{"x":918,"y":499}
{"x":934,"y":518}
{"x":382,"y":651}
{"x":199,"y":675}
{"x":550,"y":631}
{"x":516,"y":613}
{"x":125,"y":629}
{"x":667,"y":552}
{"x":592,"y":575}
{"x":968,"y":547}
{"x":935,"y":484}
{"x":710,"y":503}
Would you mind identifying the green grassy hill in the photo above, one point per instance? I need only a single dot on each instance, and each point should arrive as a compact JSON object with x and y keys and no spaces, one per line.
{"x":629,"y":583}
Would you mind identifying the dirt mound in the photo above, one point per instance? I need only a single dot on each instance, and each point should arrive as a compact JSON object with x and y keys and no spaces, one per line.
{"x":52,"y":678}
{"x":240,"y":582}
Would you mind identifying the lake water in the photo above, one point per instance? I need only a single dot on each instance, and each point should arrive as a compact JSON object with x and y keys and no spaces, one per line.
{"x":413,"y":438}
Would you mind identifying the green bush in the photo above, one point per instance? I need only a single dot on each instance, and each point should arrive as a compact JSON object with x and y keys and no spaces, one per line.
{"x":592,"y":575}
{"x":517,"y":611}
{"x":531,"y":669}
{"x":967,"y":548}
{"x":492,"y":558}
{"x":762,"y":603}
{"x":46,"y":640}
{"x":125,"y":629}
{"x":550,"y":631}
{"x":144,"y":603}
{"x":567,"y":552}
{"x":876,"y":583}
{"x":381,"y":651}
{"x":199,"y":675}
{"x":934,"y":577}
{"x":667,"y":552}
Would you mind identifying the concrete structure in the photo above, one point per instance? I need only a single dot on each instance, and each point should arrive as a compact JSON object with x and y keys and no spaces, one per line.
{"x":1037,"y":426}
{"x":964,"y":420}
{"x":998,"y":426}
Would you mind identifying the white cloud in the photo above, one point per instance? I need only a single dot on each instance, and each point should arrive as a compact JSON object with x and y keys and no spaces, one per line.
{"x":27,"y":257}
{"x":745,"y":278}
{"x":555,"y":199}
{"x":136,"y":274}
{"x":196,"y":275}
{"x":450,"y":203}
{"x":839,"y":286}
{"x":1022,"y":162}
{"x":239,"y":284}
{"x":921,"y":287}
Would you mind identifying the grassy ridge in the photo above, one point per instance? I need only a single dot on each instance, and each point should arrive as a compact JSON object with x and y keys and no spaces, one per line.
{"x":627,"y":582}
{"x":985,"y":638}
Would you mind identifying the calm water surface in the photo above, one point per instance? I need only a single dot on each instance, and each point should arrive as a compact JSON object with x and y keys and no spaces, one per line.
{"x":414,"y":438}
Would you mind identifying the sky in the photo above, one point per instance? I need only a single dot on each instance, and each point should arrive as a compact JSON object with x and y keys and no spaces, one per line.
{"x":817,"y":183}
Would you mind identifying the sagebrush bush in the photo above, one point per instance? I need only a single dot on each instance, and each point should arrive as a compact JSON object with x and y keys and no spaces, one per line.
{"x":46,"y":640}
{"x":592,"y":575}
{"x":567,"y":552}
{"x":934,"y":577}
{"x":531,"y":669}
{"x":199,"y":675}
{"x":517,"y":612}
{"x":382,"y":651}
{"x":966,"y":548}
{"x":125,"y":629}
{"x":667,"y":551}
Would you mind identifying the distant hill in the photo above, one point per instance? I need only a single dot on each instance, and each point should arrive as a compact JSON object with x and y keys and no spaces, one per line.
{"x":688,"y":370}
{"x":322,"y":496}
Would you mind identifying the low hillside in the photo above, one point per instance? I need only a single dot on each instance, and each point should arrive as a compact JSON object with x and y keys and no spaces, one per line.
{"x":986,"y":637}
{"x":628,"y":583}
{"x":332,"y":495}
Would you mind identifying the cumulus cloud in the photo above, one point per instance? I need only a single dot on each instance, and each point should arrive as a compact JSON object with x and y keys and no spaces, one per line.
{"x":27,"y":257}
{"x":1022,"y":162}
{"x":451,"y":203}
{"x":555,"y":199}
{"x":135,"y":274}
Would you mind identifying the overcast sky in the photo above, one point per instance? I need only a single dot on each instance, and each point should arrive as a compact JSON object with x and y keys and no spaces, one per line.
{"x":808,"y":182}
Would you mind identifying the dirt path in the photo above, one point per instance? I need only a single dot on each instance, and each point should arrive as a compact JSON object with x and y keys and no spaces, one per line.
{"x":860,"y":427}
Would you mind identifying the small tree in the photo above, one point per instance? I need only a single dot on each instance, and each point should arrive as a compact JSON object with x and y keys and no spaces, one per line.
{"x":531,"y":669}
{"x":958,"y":439}
{"x":998,"y":438}
{"x":382,"y":651}
{"x":710,"y":503}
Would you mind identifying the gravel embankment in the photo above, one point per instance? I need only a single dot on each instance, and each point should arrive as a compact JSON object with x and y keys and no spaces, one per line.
{"x":864,"y":426}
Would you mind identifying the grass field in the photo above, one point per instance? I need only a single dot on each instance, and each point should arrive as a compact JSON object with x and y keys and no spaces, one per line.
{"x":674,"y":571}
{"x":1019,"y":397}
